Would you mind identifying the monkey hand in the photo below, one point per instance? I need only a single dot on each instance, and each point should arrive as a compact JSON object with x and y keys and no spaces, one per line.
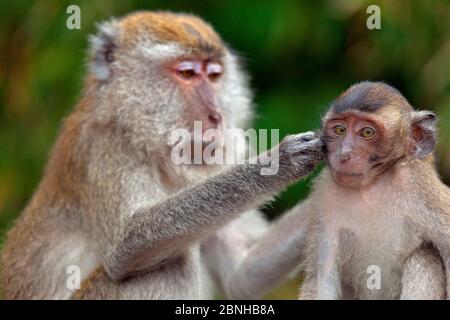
{"x":297,"y":155}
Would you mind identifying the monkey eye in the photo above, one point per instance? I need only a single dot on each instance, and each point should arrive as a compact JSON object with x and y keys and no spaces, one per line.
{"x":339,"y":130}
{"x":187,"y":70}
{"x":367,"y":133}
{"x":214,"y":70}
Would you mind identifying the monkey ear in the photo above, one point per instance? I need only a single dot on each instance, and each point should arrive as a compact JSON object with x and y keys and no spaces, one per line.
{"x":102,"y":47}
{"x":424,"y":133}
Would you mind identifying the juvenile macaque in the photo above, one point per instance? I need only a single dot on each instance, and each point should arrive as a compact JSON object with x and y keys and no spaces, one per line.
{"x":111,"y":203}
{"x":377,"y":224}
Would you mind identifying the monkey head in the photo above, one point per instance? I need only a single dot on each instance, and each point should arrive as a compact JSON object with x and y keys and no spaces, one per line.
{"x":154,"y":72}
{"x":371,"y":127}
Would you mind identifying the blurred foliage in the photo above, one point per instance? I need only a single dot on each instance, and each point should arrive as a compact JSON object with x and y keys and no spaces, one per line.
{"x":300,"y":56}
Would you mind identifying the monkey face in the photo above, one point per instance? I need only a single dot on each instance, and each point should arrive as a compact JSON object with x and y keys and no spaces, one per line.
{"x":369,"y":128}
{"x":355,"y":148}
{"x":160,"y":72}
{"x":199,"y":81}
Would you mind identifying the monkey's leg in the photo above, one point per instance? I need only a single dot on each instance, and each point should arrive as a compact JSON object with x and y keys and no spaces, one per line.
{"x":98,"y":286}
{"x":274,"y":257}
{"x":167,"y":282}
{"x":423,"y":276}
{"x":308,"y":288}
{"x":226,"y":248}
{"x":442,"y":242}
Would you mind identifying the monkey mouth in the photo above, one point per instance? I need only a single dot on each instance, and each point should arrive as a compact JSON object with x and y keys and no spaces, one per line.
{"x":340,"y":173}
{"x":347,"y":179}
{"x":343,"y":173}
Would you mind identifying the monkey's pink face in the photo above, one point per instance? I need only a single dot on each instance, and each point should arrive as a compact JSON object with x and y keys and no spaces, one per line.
{"x":200,"y":83}
{"x":352,"y":149}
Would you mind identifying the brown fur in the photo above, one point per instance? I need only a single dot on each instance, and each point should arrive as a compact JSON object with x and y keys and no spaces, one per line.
{"x":113,"y":203}
{"x":186,"y":30}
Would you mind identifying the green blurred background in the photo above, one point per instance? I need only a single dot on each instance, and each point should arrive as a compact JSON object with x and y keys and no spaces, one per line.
{"x":300,"y":56}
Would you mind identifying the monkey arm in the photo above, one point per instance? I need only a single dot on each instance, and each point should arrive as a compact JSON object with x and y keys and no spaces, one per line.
{"x":154,"y":235}
{"x":276,"y":255}
{"x":224,"y":250}
{"x":135,"y":235}
{"x":328,"y":275}
{"x":423,"y":276}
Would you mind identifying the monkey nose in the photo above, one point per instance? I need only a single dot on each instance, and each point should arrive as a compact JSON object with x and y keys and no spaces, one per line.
{"x":215,"y":118}
{"x":344,"y":157}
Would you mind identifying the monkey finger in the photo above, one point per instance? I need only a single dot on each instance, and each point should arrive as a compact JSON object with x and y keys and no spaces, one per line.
{"x":305,"y":147}
{"x":307,"y":136}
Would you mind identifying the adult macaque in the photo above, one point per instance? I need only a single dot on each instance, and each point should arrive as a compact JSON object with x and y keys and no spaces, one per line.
{"x":112,"y":205}
{"x":379,"y":210}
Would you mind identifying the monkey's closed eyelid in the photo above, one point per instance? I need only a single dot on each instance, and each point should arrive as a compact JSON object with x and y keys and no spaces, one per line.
{"x":213,"y":68}
{"x":189,"y":65}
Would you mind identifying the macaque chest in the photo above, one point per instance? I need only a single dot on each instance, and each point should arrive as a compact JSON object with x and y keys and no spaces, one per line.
{"x":370,"y":243}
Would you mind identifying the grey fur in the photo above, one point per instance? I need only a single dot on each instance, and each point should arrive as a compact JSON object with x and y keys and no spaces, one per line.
{"x":112,"y":202}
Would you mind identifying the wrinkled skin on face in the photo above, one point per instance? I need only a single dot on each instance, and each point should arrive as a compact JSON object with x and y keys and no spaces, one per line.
{"x":159,"y":72}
